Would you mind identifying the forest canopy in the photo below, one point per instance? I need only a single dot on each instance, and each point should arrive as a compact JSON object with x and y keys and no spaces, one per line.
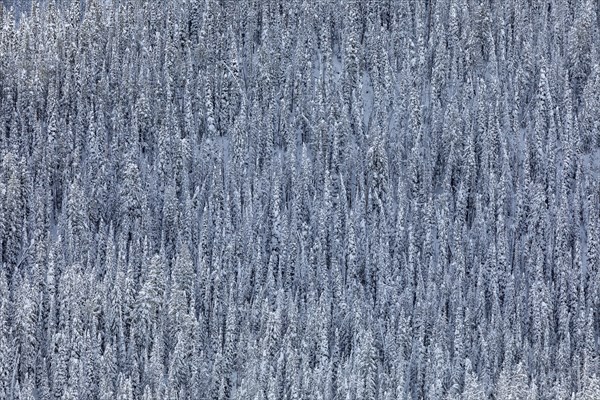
{"x":300,"y":199}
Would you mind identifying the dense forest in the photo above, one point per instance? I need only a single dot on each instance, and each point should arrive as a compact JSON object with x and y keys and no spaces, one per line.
{"x":300,"y":199}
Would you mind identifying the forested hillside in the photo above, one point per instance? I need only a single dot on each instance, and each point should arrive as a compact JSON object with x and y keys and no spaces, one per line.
{"x":300,"y":199}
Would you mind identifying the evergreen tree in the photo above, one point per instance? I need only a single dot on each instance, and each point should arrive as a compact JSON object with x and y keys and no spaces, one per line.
{"x":302,"y":199}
